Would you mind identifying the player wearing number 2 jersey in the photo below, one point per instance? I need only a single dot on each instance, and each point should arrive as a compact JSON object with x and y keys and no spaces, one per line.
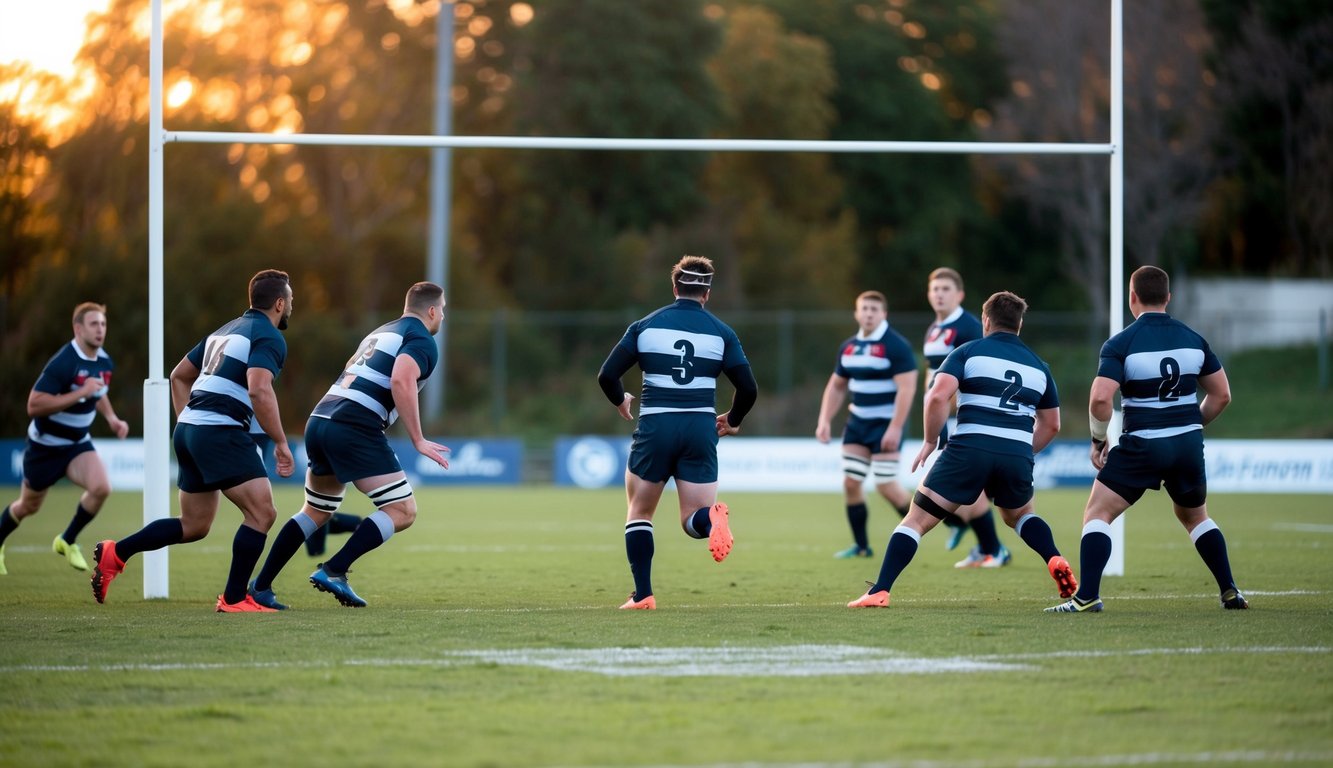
{"x":1158,"y":364}
{"x":223,"y":383}
{"x":1008,"y":410}
{"x":682,"y":349}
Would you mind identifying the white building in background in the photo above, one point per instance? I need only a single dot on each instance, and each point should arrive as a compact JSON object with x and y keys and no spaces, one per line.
{"x":1237,"y":314}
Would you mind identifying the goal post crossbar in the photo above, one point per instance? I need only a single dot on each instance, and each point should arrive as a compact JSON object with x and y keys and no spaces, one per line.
{"x":642,"y":145}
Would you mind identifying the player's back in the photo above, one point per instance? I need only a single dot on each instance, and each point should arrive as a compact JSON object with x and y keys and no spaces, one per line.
{"x":220,"y":396}
{"x":1001,"y":385}
{"x":682,"y":348}
{"x":1157,"y":361}
{"x":363,"y":393}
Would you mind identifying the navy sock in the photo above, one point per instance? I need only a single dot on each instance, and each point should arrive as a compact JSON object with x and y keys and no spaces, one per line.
{"x":953,"y":521}
{"x":342,"y":522}
{"x":1094,"y":550}
{"x":1212,"y":547}
{"x":318,"y":541}
{"x":903,"y":510}
{"x":366,"y":537}
{"x":1037,"y":534}
{"x":987,"y":537}
{"x":81,"y":518}
{"x":246,"y":547}
{"x":857,"y":514}
{"x":285,"y":544}
{"x":7,"y":525}
{"x":155,"y":535}
{"x":639,"y":550}
{"x":901,"y":550}
{"x":699,"y":525}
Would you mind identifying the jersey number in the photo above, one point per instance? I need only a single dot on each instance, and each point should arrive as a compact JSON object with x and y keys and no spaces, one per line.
{"x":1007,"y":396}
{"x":1168,"y":390}
{"x":684,"y":373}
{"x":213,"y":355}
{"x":361,"y":357}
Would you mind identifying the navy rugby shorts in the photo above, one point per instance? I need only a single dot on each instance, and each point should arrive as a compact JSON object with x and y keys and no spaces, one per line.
{"x":348,"y":451}
{"x":962,"y":472}
{"x":679,"y":445}
{"x":867,"y":432}
{"x":214,"y":458}
{"x":1138,"y":464}
{"x":44,"y":465}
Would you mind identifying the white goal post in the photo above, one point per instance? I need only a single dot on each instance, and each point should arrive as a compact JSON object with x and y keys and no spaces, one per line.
{"x":157,"y":394}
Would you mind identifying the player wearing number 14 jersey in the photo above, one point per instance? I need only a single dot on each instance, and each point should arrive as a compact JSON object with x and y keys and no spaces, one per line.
{"x":216,"y":390}
{"x":1158,"y":364}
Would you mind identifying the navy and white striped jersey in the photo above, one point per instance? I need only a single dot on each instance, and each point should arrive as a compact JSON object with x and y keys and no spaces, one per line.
{"x":362,"y":394}
{"x":221,"y":394}
{"x":1157,"y":361}
{"x":869,"y":364}
{"x":66,"y":371}
{"x":944,"y":337}
{"x":681,"y":348}
{"x":1001,"y":386}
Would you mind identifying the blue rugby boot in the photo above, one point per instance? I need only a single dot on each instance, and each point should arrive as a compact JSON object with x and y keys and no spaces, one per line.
{"x":336,"y":586}
{"x":265,"y":597}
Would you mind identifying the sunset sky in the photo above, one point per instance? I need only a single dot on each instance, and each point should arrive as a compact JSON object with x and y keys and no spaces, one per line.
{"x":47,"y":33}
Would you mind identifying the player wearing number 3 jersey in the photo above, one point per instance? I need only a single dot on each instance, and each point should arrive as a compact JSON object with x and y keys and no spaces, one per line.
{"x":223,"y":383}
{"x":1008,"y":410}
{"x":682,"y":349}
{"x":1158,"y":364}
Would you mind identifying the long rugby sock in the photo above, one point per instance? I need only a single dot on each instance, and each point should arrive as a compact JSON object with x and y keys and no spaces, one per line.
{"x":699,"y":525}
{"x":1094,"y":550}
{"x":639,"y":550}
{"x":987,"y":538}
{"x":342,"y":522}
{"x":857,"y":515}
{"x":285,"y":544}
{"x":155,"y":535}
{"x":902,"y":548}
{"x":246,"y":547}
{"x":7,"y":525}
{"x":372,"y":532}
{"x":81,"y":518}
{"x":317,"y":542}
{"x":1037,"y":534}
{"x":1212,"y":547}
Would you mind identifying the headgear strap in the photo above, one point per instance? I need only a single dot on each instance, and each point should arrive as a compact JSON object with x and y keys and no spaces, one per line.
{"x":700,"y":278}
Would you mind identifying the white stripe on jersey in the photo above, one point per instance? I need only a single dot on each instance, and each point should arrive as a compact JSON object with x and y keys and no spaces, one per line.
{"x":982,"y":366}
{"x":992,"y":404}
{"x":42,"y":438}
{"x":357,"y":396}
{"x":982,"y":429}
{"x":650,"y":411}
{"x":81,"y":420}
{"x":1148,"y":365}
{"x":1153,"y":402}
{"x":662,"y":341}
{"x":873,"y":412}
{"x":1164,"y":432}
{"x":389,"y":344}
{"x":667,"y":382}
{"x":220,"y":385}
{"x":865,"y":361}
{"x":872,"y":386}
{"x":206,"y":418}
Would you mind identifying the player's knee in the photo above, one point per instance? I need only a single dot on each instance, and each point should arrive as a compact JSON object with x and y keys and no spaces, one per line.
{"x":99,"y":492}
{"x":396,"y":499}
{"x":885,"y":472}
{"x":262,"y":518}
{"x":323,"y":503}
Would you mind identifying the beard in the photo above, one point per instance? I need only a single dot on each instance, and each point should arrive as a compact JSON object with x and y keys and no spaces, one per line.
{"x":282,"y":323}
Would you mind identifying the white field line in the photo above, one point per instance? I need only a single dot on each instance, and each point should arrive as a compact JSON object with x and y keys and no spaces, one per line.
{"x":721,"y":661}
{"x":1237,"y":757}
{"x":1304,"y":527}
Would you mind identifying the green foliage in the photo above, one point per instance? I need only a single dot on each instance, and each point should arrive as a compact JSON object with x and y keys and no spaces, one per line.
{"x":1164,"y":676}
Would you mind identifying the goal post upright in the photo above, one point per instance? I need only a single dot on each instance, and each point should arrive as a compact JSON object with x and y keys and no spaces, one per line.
{"x":157,"y":402}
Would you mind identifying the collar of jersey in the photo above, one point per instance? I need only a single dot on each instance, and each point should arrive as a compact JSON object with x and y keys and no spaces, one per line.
{"x":875,"y":334}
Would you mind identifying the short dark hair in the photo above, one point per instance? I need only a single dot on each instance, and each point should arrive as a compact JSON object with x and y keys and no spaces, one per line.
{"x":692,"y":276}
{"x":946,"y":273}
{"x":86,"y":307}
{"x":873,"y":296}
{"x":267,"y":286}
{"x":1152,"y":285}
{"x":422,"y":296}
{"x":1005,"y":311}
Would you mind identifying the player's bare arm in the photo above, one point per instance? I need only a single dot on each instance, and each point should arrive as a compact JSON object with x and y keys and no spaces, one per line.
{"x":1217,"y":395}
{"x":1046,"y":427}
{"x":1101,"y":398}
{"x":835,"y":392}
{"x":265,"y":403}
{"x":182,"y":379}
{"x":935,"y":413}
{"x":893,"y":435}
{"x":45,"y":403}
{"x":119,"y":426}
{"x":403,"y":385}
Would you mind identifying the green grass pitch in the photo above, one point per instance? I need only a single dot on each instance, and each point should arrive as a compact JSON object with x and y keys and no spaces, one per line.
{"x":493,"y":639}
